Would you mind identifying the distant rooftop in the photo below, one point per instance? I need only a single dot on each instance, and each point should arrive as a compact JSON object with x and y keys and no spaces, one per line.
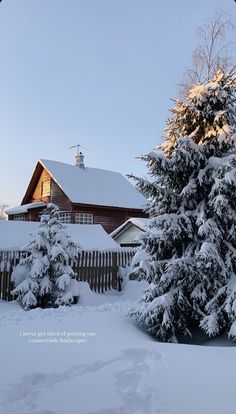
{"x":14,"y":235}
{"x":140,"y":222}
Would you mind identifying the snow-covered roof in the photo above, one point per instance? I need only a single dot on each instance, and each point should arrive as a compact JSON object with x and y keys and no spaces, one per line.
{"x":139,"y":222}
{"x":94,"y":186}
{"x":25,"y":208}
{"x":14,"y":235}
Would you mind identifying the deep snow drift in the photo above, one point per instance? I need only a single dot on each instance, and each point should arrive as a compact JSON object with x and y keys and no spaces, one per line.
{"x":92,"y":359}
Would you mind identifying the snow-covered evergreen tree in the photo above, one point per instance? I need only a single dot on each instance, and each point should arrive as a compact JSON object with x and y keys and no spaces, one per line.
{"x":207,"y":116}
{"x":47,"y":273}
{"x":188,"y":252}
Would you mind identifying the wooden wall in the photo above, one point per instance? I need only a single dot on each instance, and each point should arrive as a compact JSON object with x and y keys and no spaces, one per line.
{"x":110,"y":218}
{"x":37,"y":194}
{"x":57,"y":196}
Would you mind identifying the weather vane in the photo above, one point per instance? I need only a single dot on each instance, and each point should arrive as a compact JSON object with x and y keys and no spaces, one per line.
{"x":77,"y":146}
{"x":79,"y":158}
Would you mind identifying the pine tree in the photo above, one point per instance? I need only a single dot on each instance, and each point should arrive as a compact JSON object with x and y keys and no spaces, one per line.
{"x":47,"y":274}
{"x":190,"y":243}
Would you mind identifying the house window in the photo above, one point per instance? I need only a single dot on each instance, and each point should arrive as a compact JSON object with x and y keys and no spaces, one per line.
{"x":83,"y":218}
{"x":46,"y":188}
{"x":19,"y":217}
{"x":65,"y":216}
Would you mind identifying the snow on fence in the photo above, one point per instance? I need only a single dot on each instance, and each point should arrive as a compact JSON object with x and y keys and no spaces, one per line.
{"x":99,"y":268}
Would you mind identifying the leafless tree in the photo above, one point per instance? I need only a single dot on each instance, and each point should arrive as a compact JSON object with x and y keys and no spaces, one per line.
{"x":3,"y":208}
{"x":213,"y":52}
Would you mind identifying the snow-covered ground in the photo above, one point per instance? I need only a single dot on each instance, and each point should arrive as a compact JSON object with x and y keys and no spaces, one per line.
{"x":93,"y":359}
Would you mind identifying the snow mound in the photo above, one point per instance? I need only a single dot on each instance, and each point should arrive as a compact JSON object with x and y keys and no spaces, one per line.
{"x":131,"y":292}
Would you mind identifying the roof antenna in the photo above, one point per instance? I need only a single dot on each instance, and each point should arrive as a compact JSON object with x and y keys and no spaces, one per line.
{"x":79,"y":158}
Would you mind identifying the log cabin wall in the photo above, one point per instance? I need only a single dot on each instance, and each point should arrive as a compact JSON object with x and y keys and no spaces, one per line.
{"x":110,"y":218}
{"x":37,"y":194}
{"x":59,"y":198}
{"x":34,"y":214}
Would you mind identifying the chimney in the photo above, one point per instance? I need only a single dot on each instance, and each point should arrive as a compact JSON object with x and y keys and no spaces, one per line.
{"x":79,"y":160}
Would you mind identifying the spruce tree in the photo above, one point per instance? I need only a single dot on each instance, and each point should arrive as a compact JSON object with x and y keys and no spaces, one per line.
{"x":47,"y":273}
{"x":188,"y":252}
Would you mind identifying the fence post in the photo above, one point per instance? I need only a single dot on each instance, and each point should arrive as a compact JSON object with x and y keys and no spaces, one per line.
{"x":114,"y":270}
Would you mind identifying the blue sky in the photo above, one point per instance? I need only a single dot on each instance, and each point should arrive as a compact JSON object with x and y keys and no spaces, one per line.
{"x":96,"y":72}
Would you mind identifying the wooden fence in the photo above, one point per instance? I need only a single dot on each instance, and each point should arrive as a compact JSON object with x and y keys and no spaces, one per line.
{"x":99,"y":268}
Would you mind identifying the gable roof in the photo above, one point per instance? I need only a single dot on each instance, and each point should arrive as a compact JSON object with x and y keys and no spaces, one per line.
{"x":94,"y":186}
{"x":140,"y":222}
{"x":14,"y":235}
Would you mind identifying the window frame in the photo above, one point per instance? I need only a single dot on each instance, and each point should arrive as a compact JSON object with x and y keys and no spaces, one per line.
{"x":64,"y":212}
{"x":42,"y":188}
{"x":19,"y":217}
{"x":88,"y":218}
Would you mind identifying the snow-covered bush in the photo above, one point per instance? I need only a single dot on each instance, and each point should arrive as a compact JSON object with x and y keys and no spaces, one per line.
{"x":48,"y":276}
{"x":190,"y":241}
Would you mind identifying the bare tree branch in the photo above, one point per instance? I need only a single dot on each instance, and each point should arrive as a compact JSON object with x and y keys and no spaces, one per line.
{"x":3,"y":208}
{"x":213,"y":53}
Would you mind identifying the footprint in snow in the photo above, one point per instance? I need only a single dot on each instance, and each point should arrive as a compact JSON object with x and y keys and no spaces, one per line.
{"x":132,"y":369}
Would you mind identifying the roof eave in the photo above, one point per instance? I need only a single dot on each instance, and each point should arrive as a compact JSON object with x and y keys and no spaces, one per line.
{"x":108,"y":206}
{"x":120,"y":230}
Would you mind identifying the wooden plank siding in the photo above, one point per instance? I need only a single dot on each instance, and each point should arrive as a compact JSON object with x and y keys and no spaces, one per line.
{"x":37,"y":194}
{"x":59,"y":198}
{"x":109,"y":217}
{"x":99,"y":268}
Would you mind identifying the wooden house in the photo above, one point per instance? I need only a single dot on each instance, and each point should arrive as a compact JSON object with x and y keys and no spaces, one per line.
{"x":84,"y":195}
